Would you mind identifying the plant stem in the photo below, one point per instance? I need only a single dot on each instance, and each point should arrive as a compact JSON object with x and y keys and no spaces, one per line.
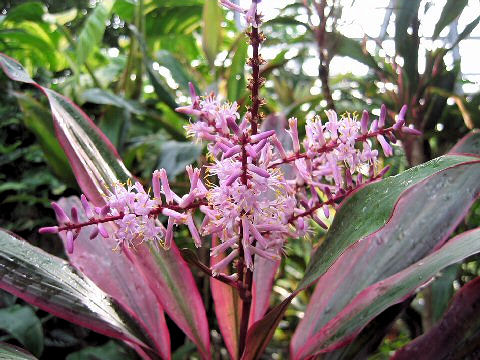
{"x":245,"y":275}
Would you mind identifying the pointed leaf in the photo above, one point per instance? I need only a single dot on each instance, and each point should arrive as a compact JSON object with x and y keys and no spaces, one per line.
{"x":52,"y":285}
{"x":263,"y":278}
{"x":116,"y":275}
{"x":173,"y":284}
{"x":12,"y":352}
{"x":469,"y":144}
{"x":92,"y":31}
{"x":227,"y":308}
{"x":94,"y":160}
{"x":211,"y":34}
{"x":96,"y":163}
{"x":236,"y":78}
{"x":456,"y":334}
{"x":376,"y":298}
{"x":451,"y":10}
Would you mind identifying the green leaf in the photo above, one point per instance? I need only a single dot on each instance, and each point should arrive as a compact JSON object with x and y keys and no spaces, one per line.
{"x":92,"y":31}
{"x":468,"y":29}
{"x":10,"y":352}
{"x":345,"y":46}
{"x":24,"y":325}
{"x":39,"y":121}
{"x":104,"y":97}
{"x":176,"y":155}
{"x":211,"y":35}
{"x":110,"y":351}
{"x":236,"y":78}
{"x":378,"y":199}
{"x":28,"y":11}
{"x":451,"y":10}
{"x":362,"y":214}
{"x":168,"y":60}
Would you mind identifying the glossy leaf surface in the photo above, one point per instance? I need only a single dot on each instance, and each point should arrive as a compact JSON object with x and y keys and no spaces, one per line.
{"x":378,"y":297}
{"x":422,"y":220}
{"x":53,"y":285}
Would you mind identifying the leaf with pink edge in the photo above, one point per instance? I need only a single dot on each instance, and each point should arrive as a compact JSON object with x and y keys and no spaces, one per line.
{"x":96,"y":165}
{"x":172,"y":282}
{"x":455,"y":336}
{"x":363,"y":213}
{"x":423,"y":218}
{"x":379,"y":296}
{"x":228,"y":308}
{"x":116,"y":275}
{"x":94,"y":160}
{"x":53,"y":285}
{"x":263,"y":278}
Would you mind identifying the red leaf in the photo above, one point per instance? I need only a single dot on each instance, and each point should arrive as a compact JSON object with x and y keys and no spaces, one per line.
{"x":228,"y":308}
{"x":172,"y":282}
{"x":116,"y":275}
{"x":263,"y":278}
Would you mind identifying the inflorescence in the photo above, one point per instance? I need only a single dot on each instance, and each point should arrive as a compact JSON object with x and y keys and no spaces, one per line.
{"x":257,"y":190}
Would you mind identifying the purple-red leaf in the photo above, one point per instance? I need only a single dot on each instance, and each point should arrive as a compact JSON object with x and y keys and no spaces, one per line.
{"x":456,"y":335}
{"x":227,"y":308}
{"x":172,"y":282}
{"x":53,"y":285}
{"x":93,"y":158}
{"x":116,"y":275}
{"x":263,"y":278}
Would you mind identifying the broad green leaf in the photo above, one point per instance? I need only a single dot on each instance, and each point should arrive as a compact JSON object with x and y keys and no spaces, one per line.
{"x":92,"y":31}
{"x":11,"y":352}
{"x":344,"y":46}
{"x":109,"y":351}
{"x":181,"y":77}
{"x":236,"y":79}
{"x":451,"y":10}
{"x":53,"y":285}
{"x":176,"y":155}
{"x":104,"y":97}
{"x":28,"y":11}
{"x":24,"y":325}
{"x":211,"y":34}
{"x":374,"y":202}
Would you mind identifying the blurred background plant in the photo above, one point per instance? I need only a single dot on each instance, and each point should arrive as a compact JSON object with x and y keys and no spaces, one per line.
{"x":128,"y":64}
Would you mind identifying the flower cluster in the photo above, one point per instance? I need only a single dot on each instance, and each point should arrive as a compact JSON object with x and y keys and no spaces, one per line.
{"x":250,"y":205}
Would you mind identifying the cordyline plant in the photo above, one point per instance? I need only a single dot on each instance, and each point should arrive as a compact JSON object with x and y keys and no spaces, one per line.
{"x":387,"y":239}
